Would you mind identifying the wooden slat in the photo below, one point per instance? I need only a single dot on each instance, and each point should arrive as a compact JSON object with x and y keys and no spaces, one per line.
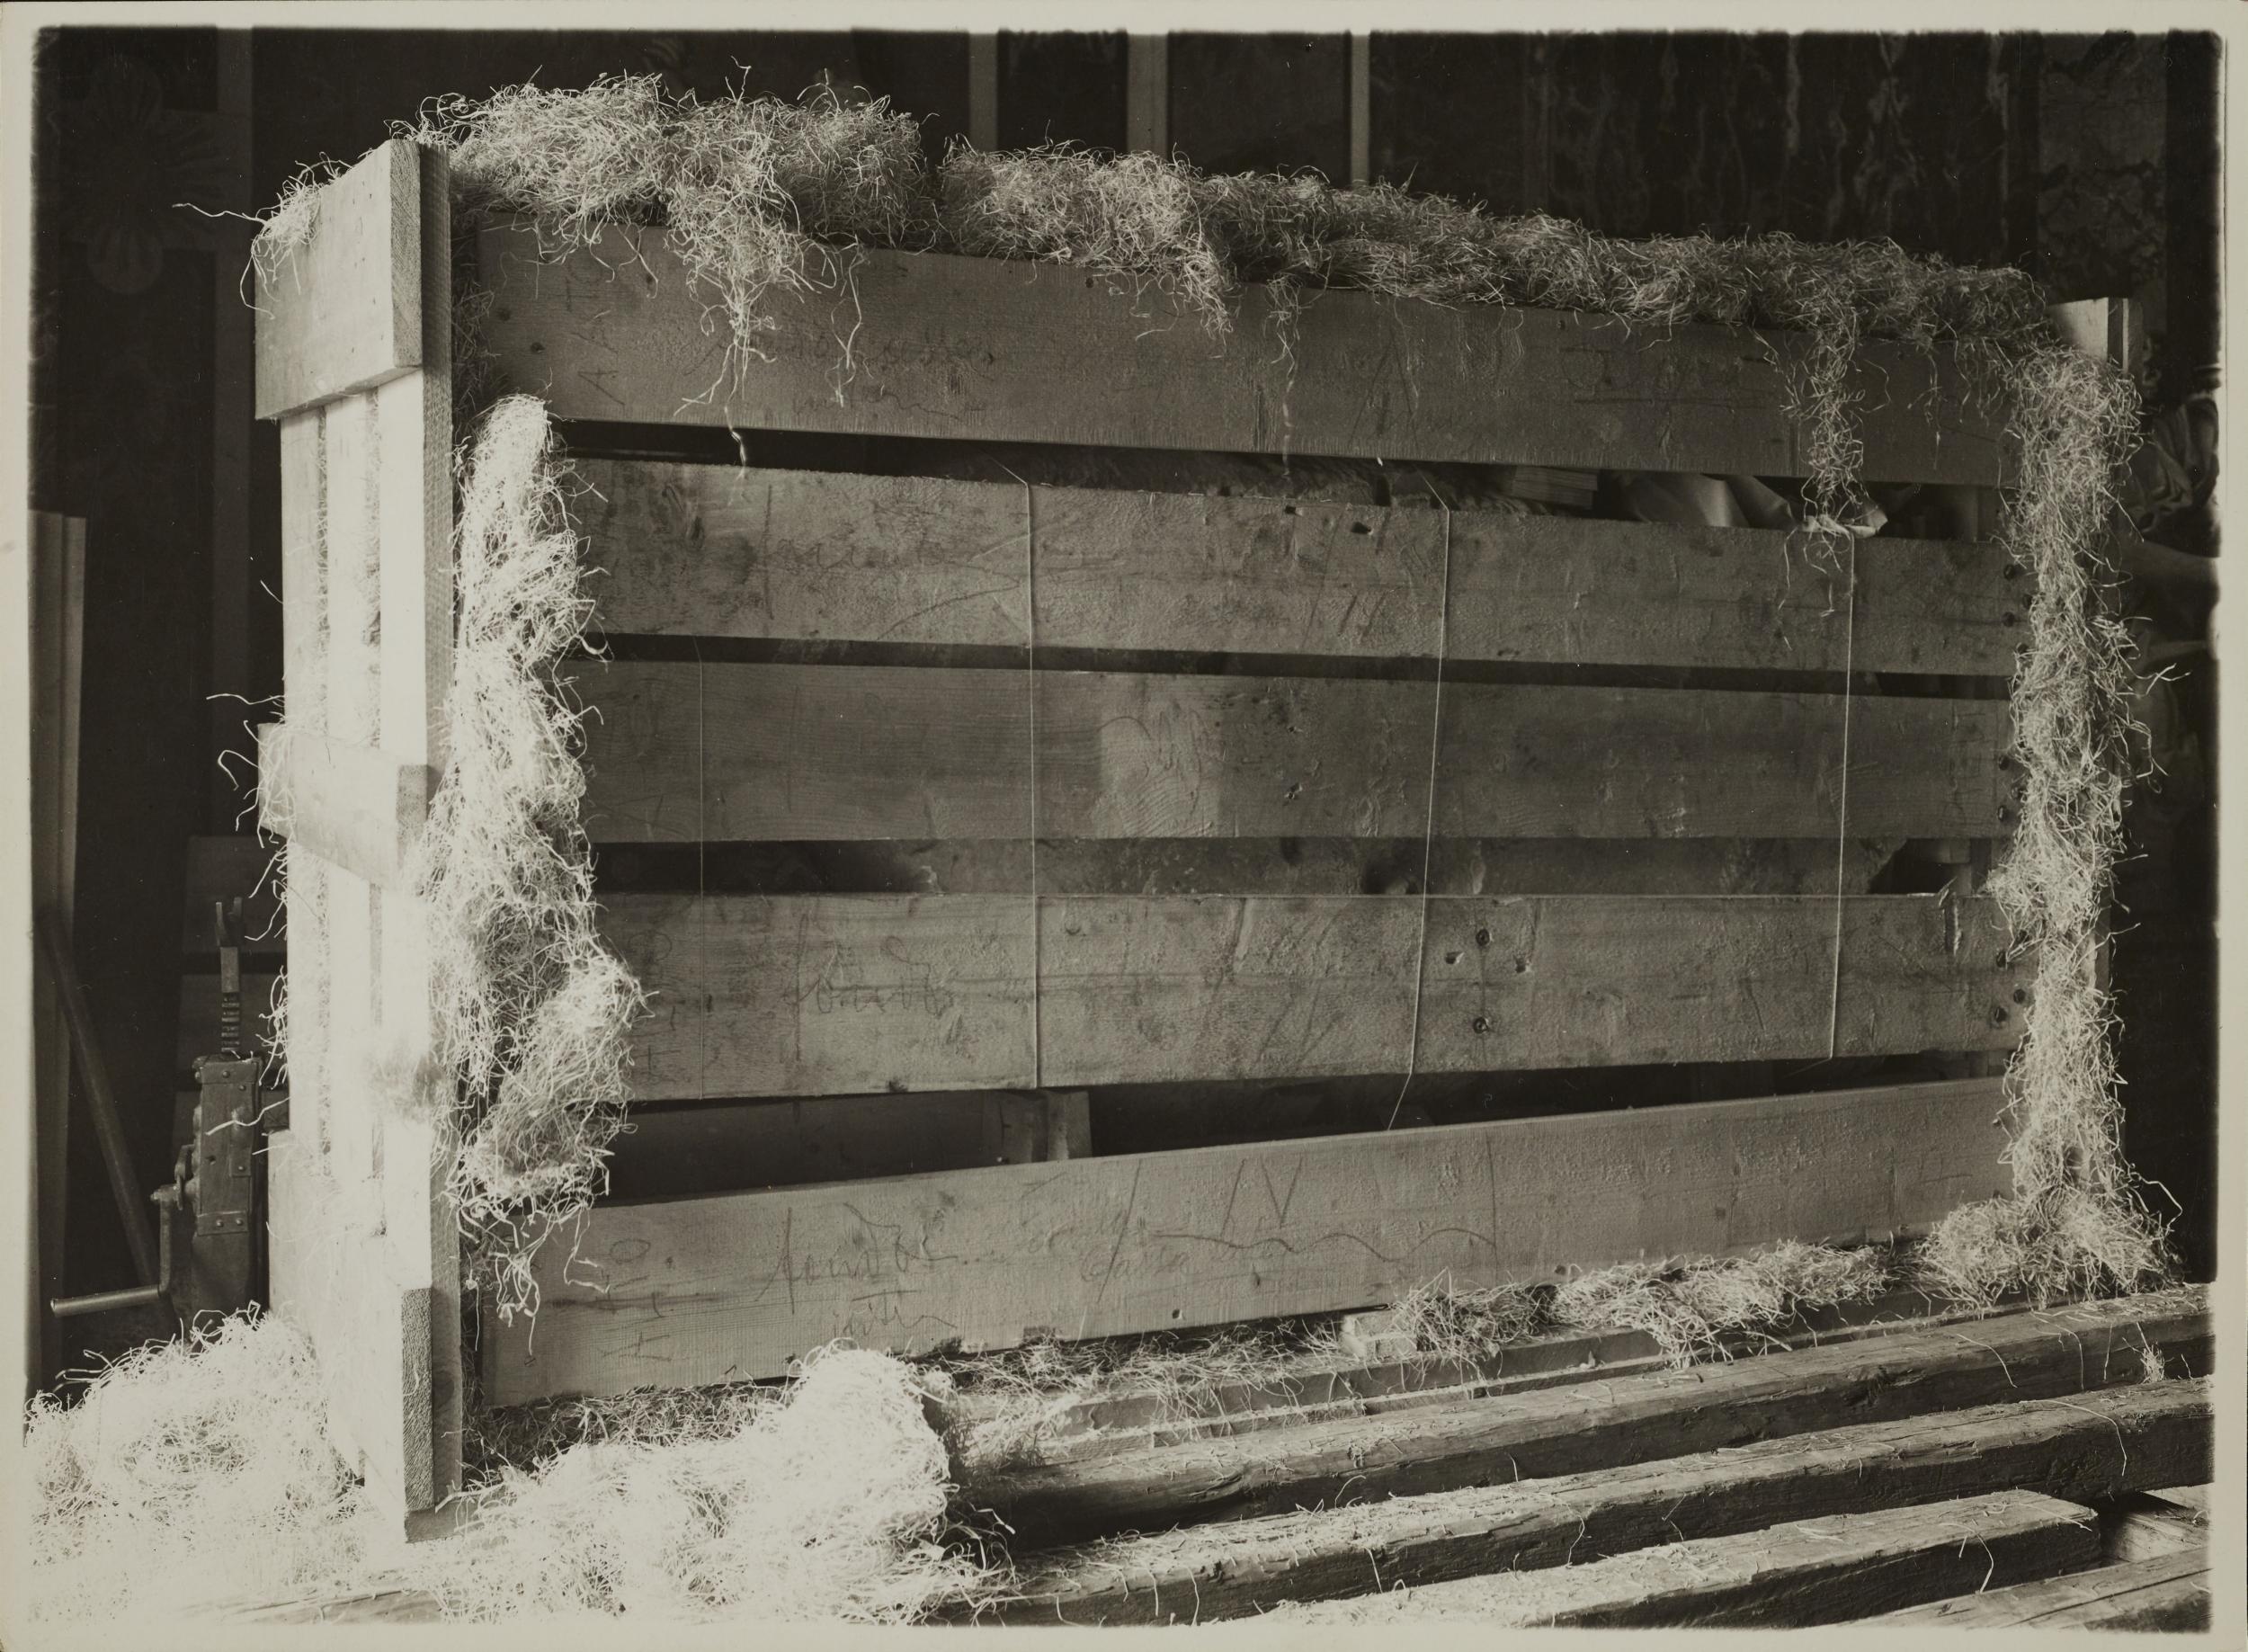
{"x":304,"y":569}
{"x":308,"y":1070}
{"x":351,"y":534}
{"x":798,"y":752}
{"x":347,"y":311}
{"x":1412,"y":1452}
{"x":1792,"y":1576}
{"x":972,"y":348}
{"x":708,"y":1289}
{"x":333,"y":1278}
{"x":759,"y":995}
{"x":720,"y":551}
{"x":2171,"y":1593}
{"x":2085,"y":1446}
{"x":355,"y":806}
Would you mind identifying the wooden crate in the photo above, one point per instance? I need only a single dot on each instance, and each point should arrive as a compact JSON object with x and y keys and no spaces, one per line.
{"x":1151,"y":746}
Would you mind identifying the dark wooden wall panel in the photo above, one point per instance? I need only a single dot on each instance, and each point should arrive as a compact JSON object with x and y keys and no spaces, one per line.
{"x":1262,"y":103}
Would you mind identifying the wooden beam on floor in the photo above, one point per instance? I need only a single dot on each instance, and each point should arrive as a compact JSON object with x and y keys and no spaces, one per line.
{"x":1108,"y":1422}
{"x":735,"y":1287}
{"x":1792,"y":1576}
{"x":1576,"y":1430}
{"x":2077,"y":1449}
{"x":2169,"y":1593}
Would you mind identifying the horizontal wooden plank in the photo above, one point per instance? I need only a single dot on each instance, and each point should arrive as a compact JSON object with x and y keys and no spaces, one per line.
{"x":1792,"y":1575}
{"x":1288,"y":865}
{"x":686,"y":751}
{"x":2080,"y":1447}
{"x":353,"y":806}
{"x":344,"y":312}
{"x":2170,"y":1591}
{"x":1412,"y":1452}
{"x":777,"y":996}
{"x":981,"y":350}
{"x":708,"y":1289}
{"x":714,"y":550}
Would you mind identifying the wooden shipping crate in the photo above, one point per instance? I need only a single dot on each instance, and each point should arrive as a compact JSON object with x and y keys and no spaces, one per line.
{"x":932,"y":801}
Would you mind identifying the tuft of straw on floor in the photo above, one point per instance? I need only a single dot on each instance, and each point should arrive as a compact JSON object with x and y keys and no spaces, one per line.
{"x":195,"y":1474}
{"x":830,"y":1506}
{"x":530,"y":1009}
{"x":185,"y":1473}
{"x":1001,"y":1408}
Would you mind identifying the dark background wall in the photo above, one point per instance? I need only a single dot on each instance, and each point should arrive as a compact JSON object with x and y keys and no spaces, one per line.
{"x":2089,"y":161}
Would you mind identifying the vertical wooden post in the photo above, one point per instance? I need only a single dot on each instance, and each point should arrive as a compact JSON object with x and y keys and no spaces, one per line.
{"x":1362,"y":110}
{"x":983,"y":91}
{"x":58,"y":592}
{"x":1147,"y":92}
{"x":354,"y":358}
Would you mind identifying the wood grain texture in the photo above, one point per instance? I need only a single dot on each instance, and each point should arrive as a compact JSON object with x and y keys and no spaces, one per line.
{"x":710,"y":1290}
{"x":2170,"y":1593}
{"x":777,"y":996}
{"x":1125,"y":1414}
{"x":350,"y":535}
{"x":968,"y":348}
{"x":720,"y":551}
{"x":803,"y":753}
{"x":1791,"y":1575}
{"x":2081,"y":1447}
{"x":1412,"y":1452}
{"x":333,"y":1278}
{"x":345,"y":310}
{"x":1127,"y":1419}
{"x":355,"y":806}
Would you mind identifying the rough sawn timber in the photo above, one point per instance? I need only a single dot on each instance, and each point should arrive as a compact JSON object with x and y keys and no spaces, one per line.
{"x":685,"y":751}
{"x":1791,"y":1575}
{"x":840,"y":995}
{"x":1604,"y":1425}
{"x":2169,"y":1592}
{"x":2088,"y":1446}
{"x":718,"y":550}
{"x":712,"y":1290}
{"x":345,"y":311}
{"x":947,"y":346}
